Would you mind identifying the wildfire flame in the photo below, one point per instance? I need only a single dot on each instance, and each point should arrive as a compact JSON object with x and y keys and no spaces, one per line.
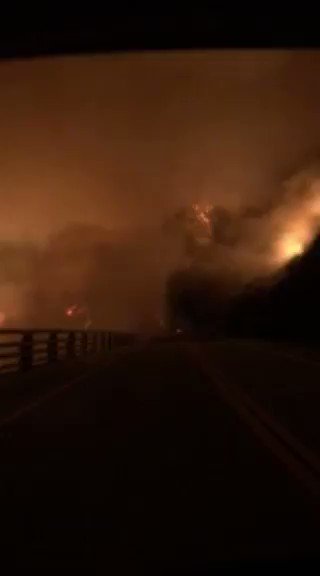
{"x":79,"y":311}
{"x":304,"y":226}
{"x":71,"y":311}
{"x":75,"y":310}
{"x":290,"y":247}
{"x":203,"y":214}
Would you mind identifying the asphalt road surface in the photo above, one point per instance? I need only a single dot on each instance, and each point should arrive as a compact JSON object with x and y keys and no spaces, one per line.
{"x":175,"y":458}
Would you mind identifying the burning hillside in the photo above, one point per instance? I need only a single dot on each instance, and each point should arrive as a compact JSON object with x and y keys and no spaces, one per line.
{"x":87,"y":275}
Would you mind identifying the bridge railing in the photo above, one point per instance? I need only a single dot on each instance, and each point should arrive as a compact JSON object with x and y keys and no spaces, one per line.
{"x":24,"y":349}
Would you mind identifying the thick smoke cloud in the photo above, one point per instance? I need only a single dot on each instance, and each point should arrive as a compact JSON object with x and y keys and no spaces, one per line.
{"x":120,"y":143}
{"x":119,"y":277}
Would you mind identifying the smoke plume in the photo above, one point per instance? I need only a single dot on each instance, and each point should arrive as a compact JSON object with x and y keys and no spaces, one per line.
{"x":118,"y":144}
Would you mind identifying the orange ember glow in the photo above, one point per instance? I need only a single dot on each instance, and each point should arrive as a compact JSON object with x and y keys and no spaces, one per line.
{"x":76,"y":311}
{"x":203,"y":214}
{"x":290,"y":246}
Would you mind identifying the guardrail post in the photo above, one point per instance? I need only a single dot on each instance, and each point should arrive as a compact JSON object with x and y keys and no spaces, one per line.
{"x":26,"y":351}
{"x":98,"y":342}
{"x":94,"y":342}
{"x":71,"y":344}
{"x":102,"y":341}
{"x":52,"y":347}
{"x":110,"y":341}
{"x":84,"y":343}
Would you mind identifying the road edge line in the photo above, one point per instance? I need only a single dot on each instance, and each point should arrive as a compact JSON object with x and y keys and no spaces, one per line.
{"x":265,"y":434}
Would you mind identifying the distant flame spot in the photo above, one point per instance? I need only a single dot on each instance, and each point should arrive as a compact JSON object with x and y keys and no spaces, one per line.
{"x":290,"y":247}
{"x":2,"y":318}
{"x":80,"y":312}
{"x":203,"y":216}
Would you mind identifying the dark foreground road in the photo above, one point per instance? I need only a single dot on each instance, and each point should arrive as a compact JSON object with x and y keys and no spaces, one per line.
{"x":151,"y":463}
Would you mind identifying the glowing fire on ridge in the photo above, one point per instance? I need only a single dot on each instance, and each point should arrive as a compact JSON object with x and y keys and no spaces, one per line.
{"x":288,"y":247}
{"x":203,"y":214}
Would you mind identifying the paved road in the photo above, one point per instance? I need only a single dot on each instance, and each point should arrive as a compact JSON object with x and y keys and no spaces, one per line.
{"x":152,"y":461}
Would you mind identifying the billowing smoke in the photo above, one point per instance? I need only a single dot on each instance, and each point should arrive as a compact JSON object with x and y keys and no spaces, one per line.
{"x":271,"y":237}
{"x":100,"y":278}
{"x":119,"y":144}
{"x":19,"y":262}
{"x":297,"y":219}
{"x":245,"y":249}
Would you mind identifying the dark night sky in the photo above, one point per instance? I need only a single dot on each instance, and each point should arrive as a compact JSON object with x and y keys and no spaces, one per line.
{"x":121,"y":140}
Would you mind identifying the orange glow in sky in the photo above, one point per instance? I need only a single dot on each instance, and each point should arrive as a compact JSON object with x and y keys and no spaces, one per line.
{"x":290,"y":246}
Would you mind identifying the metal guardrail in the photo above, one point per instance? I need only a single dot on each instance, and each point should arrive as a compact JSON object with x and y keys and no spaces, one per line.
{"x":24,"y":349}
